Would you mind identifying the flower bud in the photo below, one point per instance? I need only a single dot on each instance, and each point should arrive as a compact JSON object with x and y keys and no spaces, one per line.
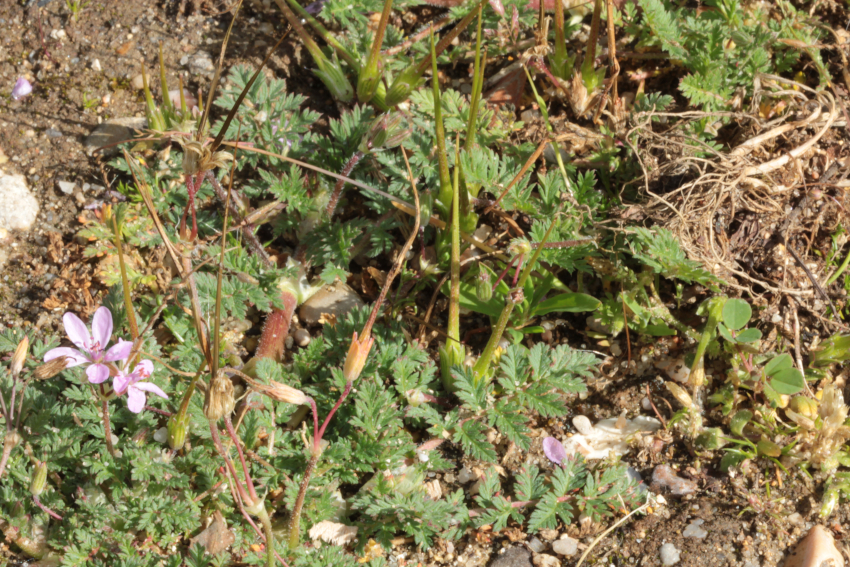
{"x":38,"y":478}
{"x":219,"y":400}
{"x":387,"y":131}
{"x":332,"y":75}
{"x":483,"y":287}
{"x":370,"y":77}
{"x":830,"y":501}
{"x":680,"y":394}
{"x":284,"y":393}
{"x":19,"y":357}
{"x":178,"y":430}
{"x":807,"y":407}
{"x":403,"y":86}
{"x":358,"y":353}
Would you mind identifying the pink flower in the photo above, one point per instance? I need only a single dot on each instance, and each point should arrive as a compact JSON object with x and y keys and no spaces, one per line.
{"x":92,"y":349}
{"x":131,"y":383}
{"x":554,"y":450}
{"x":22,"y":88}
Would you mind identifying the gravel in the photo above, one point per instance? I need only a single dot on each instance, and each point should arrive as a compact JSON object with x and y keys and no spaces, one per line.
{"x":669,"y":554}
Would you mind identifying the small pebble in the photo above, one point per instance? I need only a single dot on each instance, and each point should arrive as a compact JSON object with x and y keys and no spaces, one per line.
{"x":465,"y":475}
{"x":288,"y":342}
{"x":53,"y":133}
{"x":67,"y":187}
{"x":161,"y":435}
{"x":138,"y":82}
{"x":646,"y":404}
{"x":302,"y":337}
{"x":95,"y":65}
{"x":565,"y":546}
{"x":545,"y":560}
{"x":669,"y":554}
{"x":536,"y":545}
{"x":694,"y":530}
{"x":664,"y":476}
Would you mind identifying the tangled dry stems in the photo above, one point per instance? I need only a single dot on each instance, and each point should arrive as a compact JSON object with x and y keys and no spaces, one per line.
{"x":714,"y":189}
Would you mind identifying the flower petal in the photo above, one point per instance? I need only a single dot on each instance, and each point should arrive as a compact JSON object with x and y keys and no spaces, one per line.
{"x":554,"y":450}
{"x":135,"y":399}
{"x":97,"y":373}
{"x":72,"y":355}
{"x":77,"y":331}
{"x":121,"y":383}
{"x":21,"y":89}
{"x":119,"y":351}
{"x":101,"y":326}
{"x":149,"y":387}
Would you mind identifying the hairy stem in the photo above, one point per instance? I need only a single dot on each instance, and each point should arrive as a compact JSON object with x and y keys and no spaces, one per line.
{"x":107,"y":428}
{"x":276,"y":327}
{"x":9,"y":443}
{"x":337,"y":192}
{"x":49,"y":512}
{"x":295,"y":519}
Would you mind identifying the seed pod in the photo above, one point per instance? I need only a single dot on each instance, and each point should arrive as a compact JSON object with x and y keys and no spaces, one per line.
{"x":483,"y":287}
{"x":51,"y":369}
{"x":19,"y":357}
{"x":219,"y":400}
{"x":38,"y":478}
{"x":178,"y":430}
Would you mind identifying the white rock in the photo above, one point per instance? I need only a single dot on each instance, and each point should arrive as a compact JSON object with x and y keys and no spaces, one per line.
{"x":18,"y":206}
{"x":694,"y":530}
{"x":336,"y":300}
{"x":58,"y":34}
{"x":201,"y":62}
{"x":67,"y":187}
{"x":675,"y":368}
{"x":546,"y":560}
{"x":95,"y":65}
{"x":465,"y":475}
{"x":138,"y":82}
{"x":669,"y":554}
{"x":583,"y":425}
{"x":565,"y":546}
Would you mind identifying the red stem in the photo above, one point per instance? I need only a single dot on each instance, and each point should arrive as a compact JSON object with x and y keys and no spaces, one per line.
{"x":50,"y":512}
{"x":245,"y":471}
{"x":318,"y":438}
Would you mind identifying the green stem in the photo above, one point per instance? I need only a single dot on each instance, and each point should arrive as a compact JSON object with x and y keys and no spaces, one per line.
{"x":445,"y":193}
{"x":107,"y":429}
{"x":125,"y":284}
{"x":477,"y":85}
{"x":295,"y":519}
{"x":323,"y":32}
{"x":267,"y":528}
{"x":483,"y":365}
{"x":840,"y":270}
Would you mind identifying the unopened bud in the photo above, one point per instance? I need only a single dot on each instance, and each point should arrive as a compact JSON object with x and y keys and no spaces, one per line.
{"x":332,"y":75}
{"x":178,"y":430}
{"x":483,"y":287}
{"x":20,"y":356}
{"x":220,"y":399}
{"x":415,"y":398}
{"x":369,"y":79}
{"x":680,"y":394}
{"x":358,"y":353}
{"x":284,"y":393}
{"x":38,"y":478}
{"x":807,"y":407}
{"x":387,"y":131}
{"x":403,"y":86}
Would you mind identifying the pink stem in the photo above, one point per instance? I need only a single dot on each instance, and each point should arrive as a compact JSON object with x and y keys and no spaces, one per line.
{"x":331,"y":414}
{"x":50,"y":512}
{"x":245,"y":472}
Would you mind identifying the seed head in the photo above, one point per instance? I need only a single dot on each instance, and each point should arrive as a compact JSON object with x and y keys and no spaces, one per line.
{"x":220,"y":399}
{"x":358,"y":353}
{"x":19,"y":357}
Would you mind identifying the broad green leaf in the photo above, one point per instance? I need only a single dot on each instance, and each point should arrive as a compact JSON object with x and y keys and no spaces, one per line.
{"x":778,"y":363}
{"x":658,"y":330}
{"x":788,"y":381}
{"x":739,"y":421}
{"x":724,"y":332}
{"x":469,"y":299}
{"x":736,"y":313}
{"x":749,"y":336}
{"x":568,"y":303}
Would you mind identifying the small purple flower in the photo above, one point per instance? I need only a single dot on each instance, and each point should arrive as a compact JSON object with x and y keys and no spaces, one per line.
{"x":554,"y":450}
{"x":135,"y":389}
{"x":22,"y":89}
{"x":92,"y":349}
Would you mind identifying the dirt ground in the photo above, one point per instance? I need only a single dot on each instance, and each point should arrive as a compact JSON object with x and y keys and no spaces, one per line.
{"x":85,"y":72}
